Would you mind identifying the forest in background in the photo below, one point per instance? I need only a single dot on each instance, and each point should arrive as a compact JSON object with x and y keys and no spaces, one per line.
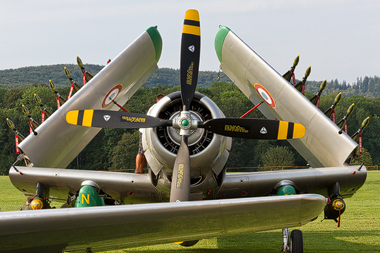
{"x":27,"y":76}
{"x":115,"y":149}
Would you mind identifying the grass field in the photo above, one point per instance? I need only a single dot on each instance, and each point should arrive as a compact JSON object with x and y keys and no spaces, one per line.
{"x":359,"y":231}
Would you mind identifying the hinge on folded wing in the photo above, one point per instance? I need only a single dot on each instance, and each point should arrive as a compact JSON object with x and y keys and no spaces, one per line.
{"x":21,"y":157}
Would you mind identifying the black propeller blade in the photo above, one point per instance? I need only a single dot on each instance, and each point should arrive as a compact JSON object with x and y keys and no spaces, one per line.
{"x":113,"y":119}
{"x":190,"y":52}
{"x":254,"y":128}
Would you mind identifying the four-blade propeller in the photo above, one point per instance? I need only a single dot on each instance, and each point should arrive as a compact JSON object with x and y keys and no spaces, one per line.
{"x":231,"y":127}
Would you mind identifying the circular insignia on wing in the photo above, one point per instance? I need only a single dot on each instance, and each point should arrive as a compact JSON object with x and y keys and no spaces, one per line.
{"x":111,"y":95}
{"x":265,"y":95}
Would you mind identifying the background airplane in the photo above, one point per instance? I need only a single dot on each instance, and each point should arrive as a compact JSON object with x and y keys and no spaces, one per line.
{"x":187,"y":141}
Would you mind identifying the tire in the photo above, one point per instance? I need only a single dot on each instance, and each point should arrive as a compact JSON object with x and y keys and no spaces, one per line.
{"x":296,"y":241}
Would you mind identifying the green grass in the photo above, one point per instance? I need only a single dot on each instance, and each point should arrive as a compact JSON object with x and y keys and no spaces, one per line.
{"x":359,"y":231}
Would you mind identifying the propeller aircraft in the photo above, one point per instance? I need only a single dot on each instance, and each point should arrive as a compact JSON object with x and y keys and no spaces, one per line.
{"x":187,"y":194}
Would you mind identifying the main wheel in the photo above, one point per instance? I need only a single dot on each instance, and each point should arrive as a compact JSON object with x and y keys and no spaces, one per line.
{"x":296,"y":241}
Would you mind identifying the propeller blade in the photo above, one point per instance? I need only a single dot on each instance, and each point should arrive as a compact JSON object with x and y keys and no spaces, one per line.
{"x":113,"y":119}
{"x":190,"y":51}
{"x":180,"y":189}
{"x":254,"y":128}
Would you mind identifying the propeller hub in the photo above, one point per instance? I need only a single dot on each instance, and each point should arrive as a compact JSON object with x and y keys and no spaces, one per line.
{"x":181,"y":123}
{"x":185,"y":123}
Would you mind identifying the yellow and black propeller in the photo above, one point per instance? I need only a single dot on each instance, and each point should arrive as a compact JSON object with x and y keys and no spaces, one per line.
{"x":231,"y":127}
{"x":190,"y":52}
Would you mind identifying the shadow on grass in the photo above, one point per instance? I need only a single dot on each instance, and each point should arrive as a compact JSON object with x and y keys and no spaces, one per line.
{"x":198,"y":250}
{"x":321,"y":241}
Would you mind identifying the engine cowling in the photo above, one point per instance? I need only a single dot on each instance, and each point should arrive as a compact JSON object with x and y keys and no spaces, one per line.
{"x":208,"y":151}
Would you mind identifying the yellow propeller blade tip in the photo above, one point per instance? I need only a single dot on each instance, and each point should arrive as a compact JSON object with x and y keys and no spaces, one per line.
{"x":72,"y":117}
{"x":192,"y":15}
{"x":188,"y":28}
{"x":298,"y":130}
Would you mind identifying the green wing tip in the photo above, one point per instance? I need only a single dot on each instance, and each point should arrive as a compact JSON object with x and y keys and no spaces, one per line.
{"x":156,"y":39}
{"x":219,"y":40}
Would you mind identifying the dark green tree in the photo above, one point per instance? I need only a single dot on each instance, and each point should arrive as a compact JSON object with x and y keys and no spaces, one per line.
{"x":278,"y":156}
{"x":124,"y":153}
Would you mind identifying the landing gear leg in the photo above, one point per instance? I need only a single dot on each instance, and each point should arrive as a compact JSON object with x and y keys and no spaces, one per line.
{"x":294,"y":244}
{"x":285,"y":240}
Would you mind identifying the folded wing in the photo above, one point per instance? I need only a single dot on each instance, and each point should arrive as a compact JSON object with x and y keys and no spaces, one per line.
{"x":322,"y":144}
{"x":58,"y":143}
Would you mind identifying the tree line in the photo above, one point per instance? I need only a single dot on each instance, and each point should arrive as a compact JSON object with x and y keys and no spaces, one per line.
{"x":27,"y":76}
{"x":115,"y":149}
{"x":22,"y":77}
{"x":366,"y":87}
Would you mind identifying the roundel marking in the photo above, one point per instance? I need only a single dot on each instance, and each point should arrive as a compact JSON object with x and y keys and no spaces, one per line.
{"x":265,"y":95}
{"x":111,"y":95}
